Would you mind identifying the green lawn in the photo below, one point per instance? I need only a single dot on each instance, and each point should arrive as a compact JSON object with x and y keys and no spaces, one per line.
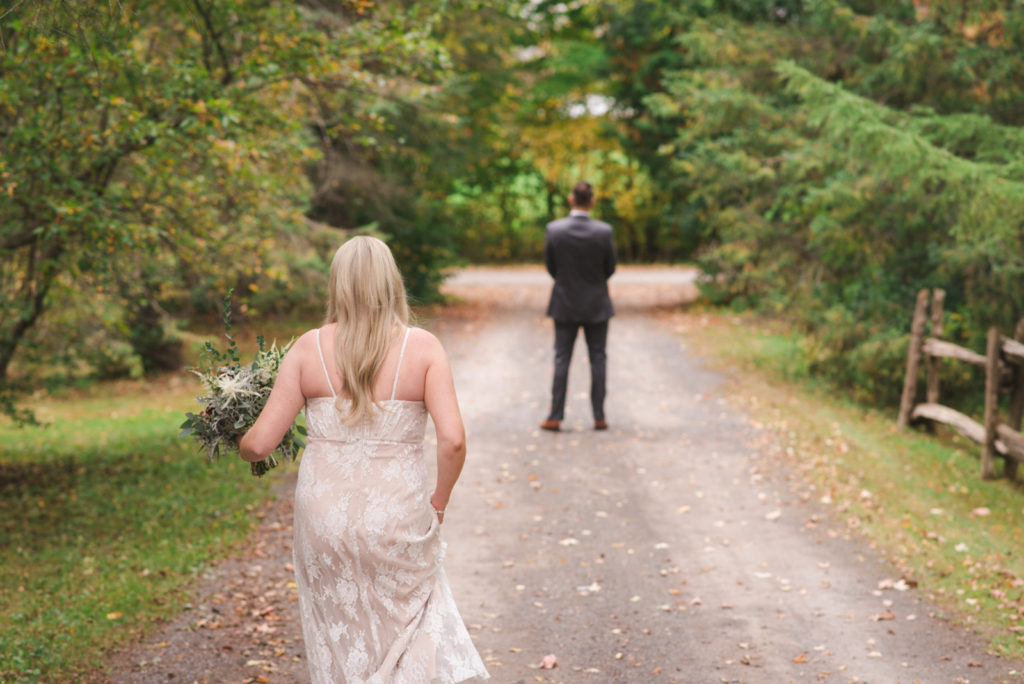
{"x":105,"y":516}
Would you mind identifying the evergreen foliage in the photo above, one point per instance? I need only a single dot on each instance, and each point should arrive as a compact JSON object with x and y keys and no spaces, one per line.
{"x":838,"y":165}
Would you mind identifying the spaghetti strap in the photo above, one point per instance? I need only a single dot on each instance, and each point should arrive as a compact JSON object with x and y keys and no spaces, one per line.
{"x":323,"y":364}
{"x":401,"y":355}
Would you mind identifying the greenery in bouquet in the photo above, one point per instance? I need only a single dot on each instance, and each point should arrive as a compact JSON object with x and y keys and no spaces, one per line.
{"x":234,"y":394}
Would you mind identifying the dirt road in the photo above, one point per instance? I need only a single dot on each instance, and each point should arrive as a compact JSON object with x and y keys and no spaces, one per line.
{"x":672,"y":548}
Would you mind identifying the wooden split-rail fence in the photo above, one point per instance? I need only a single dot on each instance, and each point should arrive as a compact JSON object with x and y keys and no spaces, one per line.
{"x":1003,"y":363}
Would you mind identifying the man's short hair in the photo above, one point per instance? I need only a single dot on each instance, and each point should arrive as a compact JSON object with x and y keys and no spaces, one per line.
{"x":582,"y":194}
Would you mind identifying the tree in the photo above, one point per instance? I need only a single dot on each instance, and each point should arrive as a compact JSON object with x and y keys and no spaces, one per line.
{"x":831,"y":207}
{"x":136,"y":141}
{"x":152,"y":155}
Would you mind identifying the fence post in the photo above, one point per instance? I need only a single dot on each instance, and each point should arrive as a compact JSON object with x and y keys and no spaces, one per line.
{"x":932,"y":362}
{"x":1016,"y":400}
{"x":913,"y":359}
{"x":988,"y":453}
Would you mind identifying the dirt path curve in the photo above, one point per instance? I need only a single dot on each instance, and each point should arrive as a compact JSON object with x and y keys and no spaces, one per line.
{"x":671,"y":548}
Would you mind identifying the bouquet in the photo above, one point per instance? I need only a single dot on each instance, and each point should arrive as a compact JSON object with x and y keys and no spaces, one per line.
{"x":234,"y":395}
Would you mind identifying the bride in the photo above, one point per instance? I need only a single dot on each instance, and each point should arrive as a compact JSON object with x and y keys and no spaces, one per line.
{"x":373,"y":595}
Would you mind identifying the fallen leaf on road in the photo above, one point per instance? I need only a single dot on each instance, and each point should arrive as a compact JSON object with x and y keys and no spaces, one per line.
{"x":773,"y":516}
{"x":887,"y":615}
{"x":549,"y":662}
{"x":802,"y":658}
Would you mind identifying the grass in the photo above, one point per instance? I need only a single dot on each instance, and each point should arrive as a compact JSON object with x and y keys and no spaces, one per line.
{"x":106,"y":517}
{"x":916,"y":497}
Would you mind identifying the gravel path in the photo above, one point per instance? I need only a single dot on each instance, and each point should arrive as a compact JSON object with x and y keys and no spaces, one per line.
{"x":672,"y":548}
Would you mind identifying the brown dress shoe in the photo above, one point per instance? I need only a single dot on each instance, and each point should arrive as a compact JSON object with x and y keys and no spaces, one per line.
{"x":553,"y":425}
{"x":600,"y":425}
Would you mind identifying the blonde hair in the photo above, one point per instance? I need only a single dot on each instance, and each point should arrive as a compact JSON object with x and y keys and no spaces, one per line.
{"x":366,"y":298}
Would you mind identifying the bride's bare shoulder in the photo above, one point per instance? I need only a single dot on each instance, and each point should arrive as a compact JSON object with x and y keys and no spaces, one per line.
{"x":307,"y":342}
{"x":424,"y":339}
{"x":429,"y":350}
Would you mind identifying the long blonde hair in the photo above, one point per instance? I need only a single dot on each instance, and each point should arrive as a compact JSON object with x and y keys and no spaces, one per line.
{"x":366,"y":298}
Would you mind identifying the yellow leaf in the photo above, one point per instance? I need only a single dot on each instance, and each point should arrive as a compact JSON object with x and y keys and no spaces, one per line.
{"x":116,"y":615}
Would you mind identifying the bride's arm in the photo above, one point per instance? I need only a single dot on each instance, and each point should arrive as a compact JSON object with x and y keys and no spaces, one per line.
{"x":443,"y":406}
{"x":284,"y":403}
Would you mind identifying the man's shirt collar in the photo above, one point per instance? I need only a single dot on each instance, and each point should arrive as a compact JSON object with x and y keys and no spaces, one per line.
{"x":579,"y":212}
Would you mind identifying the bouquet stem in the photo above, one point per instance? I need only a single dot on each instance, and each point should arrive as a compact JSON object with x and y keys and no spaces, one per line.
{"x":261,"y":468}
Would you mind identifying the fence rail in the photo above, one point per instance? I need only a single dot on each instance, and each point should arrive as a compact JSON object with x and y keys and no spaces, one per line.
{"x":1003,"y":363}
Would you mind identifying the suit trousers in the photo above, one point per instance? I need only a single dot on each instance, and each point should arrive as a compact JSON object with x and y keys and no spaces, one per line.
{"x":596,"y":335}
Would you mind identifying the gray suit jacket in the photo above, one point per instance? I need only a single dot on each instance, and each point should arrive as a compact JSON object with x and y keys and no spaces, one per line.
{"x":580,"y":255}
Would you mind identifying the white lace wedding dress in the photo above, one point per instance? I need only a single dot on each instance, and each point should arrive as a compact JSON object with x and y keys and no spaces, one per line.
{"x":374,"y":599}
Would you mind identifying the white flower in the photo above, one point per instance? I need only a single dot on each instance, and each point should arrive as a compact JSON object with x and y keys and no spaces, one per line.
{"x":231,"y":385}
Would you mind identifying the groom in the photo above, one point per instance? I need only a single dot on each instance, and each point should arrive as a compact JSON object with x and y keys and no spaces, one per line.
{"x":580,"y":255}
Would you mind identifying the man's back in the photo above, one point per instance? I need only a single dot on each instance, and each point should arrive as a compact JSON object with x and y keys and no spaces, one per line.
{"x":579,"y":253}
